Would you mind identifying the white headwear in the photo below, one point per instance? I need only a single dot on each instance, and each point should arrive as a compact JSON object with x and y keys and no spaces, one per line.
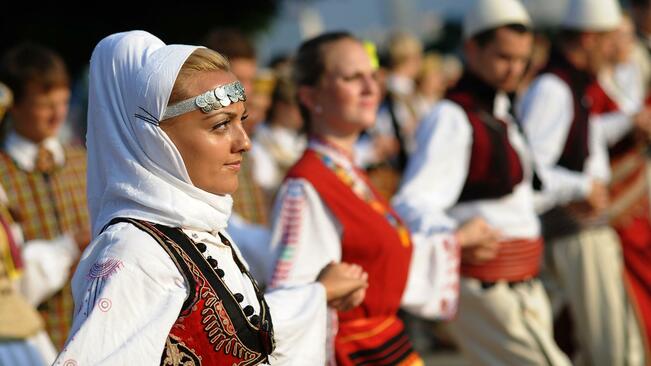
{"x":592,"y":15}
{"x":491,"y":14}
{"x":134,"y":169}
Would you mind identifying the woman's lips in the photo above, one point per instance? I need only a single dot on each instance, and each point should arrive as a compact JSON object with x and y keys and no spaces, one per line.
{"x":234,"y":165}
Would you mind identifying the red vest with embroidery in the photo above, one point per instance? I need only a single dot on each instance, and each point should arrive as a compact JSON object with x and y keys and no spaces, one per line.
{"x":495,"y":168}
{"x":212,"y":328}
{"x":368,"y":239}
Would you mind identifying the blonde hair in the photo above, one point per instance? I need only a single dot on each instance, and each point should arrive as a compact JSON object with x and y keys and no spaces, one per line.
{"x":199,"y":61}
{"x":432,"y":63}
{"x":403,"y":47}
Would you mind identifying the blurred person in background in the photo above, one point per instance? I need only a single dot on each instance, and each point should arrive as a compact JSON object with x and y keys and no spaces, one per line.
{"x":538,"y":60}
{"x":621,"y":77}
{"x":628,"y":139}
{"x":45,"y":180}
{"x":431,"y":84}
{"x":391,"y":139}
{"x":452,"y":69}
{"x":328,"y":210}
{"x":23,"y":340}
{"x":472,"y":165}
{"x":280,"y":138}
{"x":566,"y":116}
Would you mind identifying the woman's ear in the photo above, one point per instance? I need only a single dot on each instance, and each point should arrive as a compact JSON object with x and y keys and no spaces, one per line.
{"x":307,"y":97}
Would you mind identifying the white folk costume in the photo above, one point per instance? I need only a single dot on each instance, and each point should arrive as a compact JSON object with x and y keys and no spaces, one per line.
{"x":472,"y":162}
{"x":162,"y":283}
{"x":562,"y":116}
{"x":328,"y":211}
{"x":630,"y":211}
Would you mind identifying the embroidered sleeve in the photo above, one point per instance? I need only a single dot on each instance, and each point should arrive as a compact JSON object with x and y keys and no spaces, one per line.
{"x":305,"y":235}
{"x":126,"y":301}
{"x":433,"y":285}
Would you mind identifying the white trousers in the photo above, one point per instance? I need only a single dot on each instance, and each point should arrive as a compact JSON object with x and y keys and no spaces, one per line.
{"x":585,"y":271}
{"x":506,"y":325}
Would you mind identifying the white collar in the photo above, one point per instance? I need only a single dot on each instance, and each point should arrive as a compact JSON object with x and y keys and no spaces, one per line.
{"x":339,"y":157}
{"x":24,"y":151}
{"x":501,"y":106}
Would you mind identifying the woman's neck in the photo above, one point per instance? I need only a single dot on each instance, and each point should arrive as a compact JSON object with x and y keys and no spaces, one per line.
{"x":344,"y":142}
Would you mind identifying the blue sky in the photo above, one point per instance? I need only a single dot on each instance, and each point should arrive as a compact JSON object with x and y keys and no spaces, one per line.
{"x":373,"y":19}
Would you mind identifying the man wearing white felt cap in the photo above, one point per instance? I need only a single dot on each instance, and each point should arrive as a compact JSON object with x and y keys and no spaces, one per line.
{"x":570,"y":122}
{"x":472,"y":165}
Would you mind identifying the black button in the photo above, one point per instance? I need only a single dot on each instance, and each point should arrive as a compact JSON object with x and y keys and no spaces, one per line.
{"x":248,"y":310}
{"x":201,"y":247}
{"x":213,"y":262}
{"x":224,"y":240}
{"x":220,"y":272}
{"x":239,"y":297}
{"x":255,"y":320}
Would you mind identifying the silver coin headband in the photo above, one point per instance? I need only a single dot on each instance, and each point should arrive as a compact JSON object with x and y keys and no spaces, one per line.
{"x":220,"y":97}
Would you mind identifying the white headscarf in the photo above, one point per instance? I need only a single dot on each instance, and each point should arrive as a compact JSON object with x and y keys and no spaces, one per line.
{"x":134,"y":169}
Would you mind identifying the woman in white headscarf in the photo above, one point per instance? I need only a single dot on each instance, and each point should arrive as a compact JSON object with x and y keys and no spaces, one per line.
{"x":161,"y":283}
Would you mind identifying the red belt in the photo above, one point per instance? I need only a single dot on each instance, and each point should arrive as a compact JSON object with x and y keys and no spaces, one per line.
{"x":517,"y":260}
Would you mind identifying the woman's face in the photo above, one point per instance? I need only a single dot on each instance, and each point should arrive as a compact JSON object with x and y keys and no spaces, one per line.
{"x":347,"y":96}
{"x":211,"y":144}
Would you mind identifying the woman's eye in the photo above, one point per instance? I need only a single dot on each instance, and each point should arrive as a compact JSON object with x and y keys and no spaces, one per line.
{"x":220,"y":126}
{"x":353,"y":77}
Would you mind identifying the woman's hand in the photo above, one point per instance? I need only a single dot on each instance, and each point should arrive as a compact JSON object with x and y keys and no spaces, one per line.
{"x":345,"y":284}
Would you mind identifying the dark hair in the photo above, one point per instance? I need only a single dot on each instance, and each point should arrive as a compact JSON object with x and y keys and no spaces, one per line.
{"x":230,"y":43}
{"x":30,"y":63}
{"x":567,"y":36}
{"x":309,"y":64}
{"x":640,"y":3}
{"x":484,"y":38}
{"x":284,"y":92}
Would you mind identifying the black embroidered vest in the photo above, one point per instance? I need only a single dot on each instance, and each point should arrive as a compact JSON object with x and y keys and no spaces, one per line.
{"x":212,"y":328}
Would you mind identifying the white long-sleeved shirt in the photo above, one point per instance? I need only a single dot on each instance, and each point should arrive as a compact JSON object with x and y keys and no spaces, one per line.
{"x":128,"y":293}
{"x":307,"y":236}
{"x":625,"y":86}
{"x":546,"y":112}
{"x":436,"y":174}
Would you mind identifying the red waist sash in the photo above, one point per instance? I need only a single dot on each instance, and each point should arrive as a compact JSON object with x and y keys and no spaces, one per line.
{"x":517,"y":260}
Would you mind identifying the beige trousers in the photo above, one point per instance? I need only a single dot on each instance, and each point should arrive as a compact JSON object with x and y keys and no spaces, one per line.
{"x":506,"y":325}
{"x":586,"y":272}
